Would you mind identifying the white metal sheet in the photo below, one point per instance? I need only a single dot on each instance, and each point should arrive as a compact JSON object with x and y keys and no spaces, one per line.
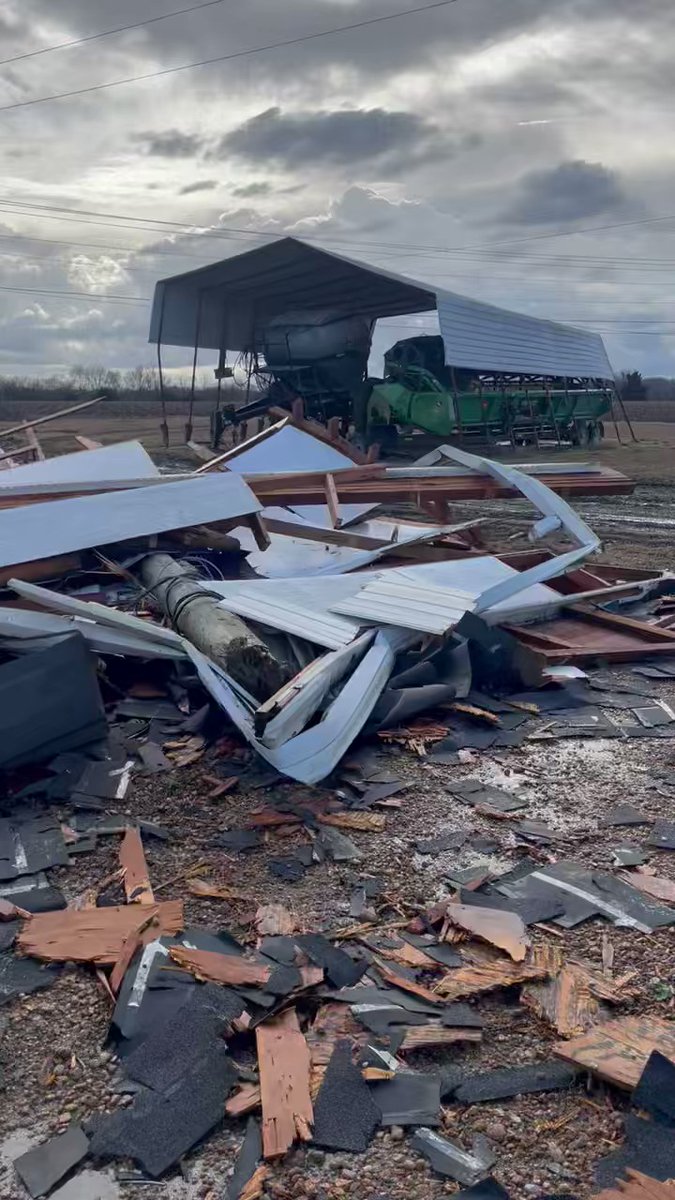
{"x":24,"y":625}
{"x":407,"y":603}
{"x":63,"y":526}
{"x":287,"y":450}
{"x":122,"y":461}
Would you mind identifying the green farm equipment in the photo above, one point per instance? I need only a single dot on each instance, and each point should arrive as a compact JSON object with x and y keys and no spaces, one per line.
{"x":420,"y":392}
{"x":325,"y":366}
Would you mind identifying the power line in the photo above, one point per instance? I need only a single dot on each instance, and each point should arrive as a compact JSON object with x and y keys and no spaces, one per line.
{"x":483,"y":253}
{"x":89,"y":295}
{"x":205,"y":62}
{"x":92,"y":37}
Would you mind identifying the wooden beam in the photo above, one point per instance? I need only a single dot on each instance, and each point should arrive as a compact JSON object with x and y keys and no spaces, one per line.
{"x":284,"y":1066}
{"x":62,"y":412}
{"x":332,"y":502}
{"x":34,"y":442}
{"x":137,"y":887}
{"x":87,"y":443}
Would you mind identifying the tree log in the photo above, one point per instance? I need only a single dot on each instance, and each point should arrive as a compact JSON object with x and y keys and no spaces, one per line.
{"x":220,"y":635}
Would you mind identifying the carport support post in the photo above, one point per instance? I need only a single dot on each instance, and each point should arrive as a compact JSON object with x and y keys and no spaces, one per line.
{"x":220,"y":635}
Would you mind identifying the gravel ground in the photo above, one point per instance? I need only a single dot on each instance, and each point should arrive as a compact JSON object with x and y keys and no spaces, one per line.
{"x":57,"y":1066}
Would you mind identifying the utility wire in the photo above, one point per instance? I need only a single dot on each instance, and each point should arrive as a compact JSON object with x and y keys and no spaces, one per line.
{"x":89,"y":295}
{"x":487,"y":251}
{"x":92,"y":37}
{"x":205,"y":62}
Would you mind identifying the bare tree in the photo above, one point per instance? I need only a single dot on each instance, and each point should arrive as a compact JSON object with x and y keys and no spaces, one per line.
{"x":140,"y":379}
{"x":94,"y":377}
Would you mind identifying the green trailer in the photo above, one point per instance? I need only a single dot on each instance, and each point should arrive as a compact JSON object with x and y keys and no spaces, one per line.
{"x":420,"y":392}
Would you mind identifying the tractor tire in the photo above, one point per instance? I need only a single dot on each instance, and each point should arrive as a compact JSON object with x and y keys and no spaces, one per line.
{"x":581,"y":433}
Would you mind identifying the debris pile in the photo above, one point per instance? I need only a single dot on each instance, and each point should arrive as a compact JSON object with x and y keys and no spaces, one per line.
{"x":256,"y":627}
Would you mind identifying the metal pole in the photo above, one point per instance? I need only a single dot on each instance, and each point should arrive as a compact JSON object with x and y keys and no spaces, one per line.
{"x":164,"y":425}
{"x":188,"y":426}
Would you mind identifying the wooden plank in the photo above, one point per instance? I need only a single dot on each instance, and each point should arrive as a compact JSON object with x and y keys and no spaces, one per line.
{"x":131,"y":944}
{"x":245,"y":1100}
{"x":332,"y":502}
{"x":284,"y":1065}
{"x":94,"y":935}
{"x":87,"y":443}
{"x":137,"y":886}
{"x":229,"y":969}
{"x":506,"y":930}
{"x":421,"y":1037}
{"x":651,"y":885}
{"x":62,"y":412}
{"x":365,"y":821}
{"x":35,"y":443}
{"x":42,"y":568}
{"x":617,"y":1051}
{"x":407,"y":985}
{"x":638,"y":1187}
{"x":19,"y":453}
{"x":486,"y":969}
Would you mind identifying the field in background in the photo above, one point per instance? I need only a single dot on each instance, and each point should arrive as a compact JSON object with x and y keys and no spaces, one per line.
{"x":650,"y":461}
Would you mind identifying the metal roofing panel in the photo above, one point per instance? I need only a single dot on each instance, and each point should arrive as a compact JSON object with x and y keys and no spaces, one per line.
{"x":484,"y":337}
{"x":225,"y":305}
{"x":287,"y":450}
{"x":409,"y":604}
{"x":62,"y":526}
{"x":122,"y":461}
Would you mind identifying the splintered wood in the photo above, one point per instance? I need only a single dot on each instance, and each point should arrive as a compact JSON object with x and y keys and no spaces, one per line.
{"x":486,"y":969}
{"x":284,"y":1064}
{"x":228,"y":969}
{"x":333,"y":1022}
{"x":273,"y":920}
{"x":638,"y":1187}
{"x":137,"y":887}
{"x":505,"y":930}
{"x":407,"y":985}
{"x":253,"y":1190}
{"x":209,"y":889}
{"x":569,"y":1001}
{"x":651,"y":885}
{"x":421,"y":1036}
{"x":618,"y":1050}
{"x":131,"y":944}
{"x":366,"y":821}
{"x":93,"y":935}
{"x":245,"y":1100}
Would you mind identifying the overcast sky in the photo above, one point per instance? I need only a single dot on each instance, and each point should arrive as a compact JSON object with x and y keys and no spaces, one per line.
{"x":478,"y":130}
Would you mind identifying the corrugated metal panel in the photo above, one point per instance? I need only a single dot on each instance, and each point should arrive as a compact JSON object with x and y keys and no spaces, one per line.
{"x":296,"y":606}
{"x":226,"y":305}
{"x":61,"y":526}
{"x":407,"y":604}
{"x":123,"y":461}
{"x":480,"y":336}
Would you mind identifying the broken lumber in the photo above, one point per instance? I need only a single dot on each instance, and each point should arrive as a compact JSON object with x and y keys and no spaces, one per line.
{"x":486,"y":969}
{"x":638,"y":1187}
{"x":365,"y":821}
{"x":62,"y":412}
{"x":569,"y":1001}
{"x":94,"y":935}
{"x":506,"y":930}
{"x":137,"y":887}
{"x":220,"y":635}
{"x":284,"y":1063}
{"x":617,"y":1051}
{"x":229,"y":969}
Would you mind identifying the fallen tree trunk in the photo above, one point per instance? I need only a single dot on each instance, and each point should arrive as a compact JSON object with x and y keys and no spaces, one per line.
{"x":220,"y":635}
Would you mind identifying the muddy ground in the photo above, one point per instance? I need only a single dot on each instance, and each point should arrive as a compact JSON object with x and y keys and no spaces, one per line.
{"x":57,"y":1066}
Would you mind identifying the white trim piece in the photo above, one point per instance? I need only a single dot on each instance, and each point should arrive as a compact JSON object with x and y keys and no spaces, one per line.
{"x":311,"y":755}
{"x":98,"y":613}
{"x":20,"y":624}
{"x":83,"y":486}
{"x":549,"y":505}
{"x":122,"y":461}
{"x":322,"y":628}
{"x":62,"y":526}
{"x":309,"y":689}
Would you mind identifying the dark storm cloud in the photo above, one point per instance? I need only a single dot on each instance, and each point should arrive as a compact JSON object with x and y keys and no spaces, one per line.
{"x":169,"y":143}
{"x":566,"y":193}
{"x":252,"y":189}
{"x":341,"y":136}
{"x":203,"y":185}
